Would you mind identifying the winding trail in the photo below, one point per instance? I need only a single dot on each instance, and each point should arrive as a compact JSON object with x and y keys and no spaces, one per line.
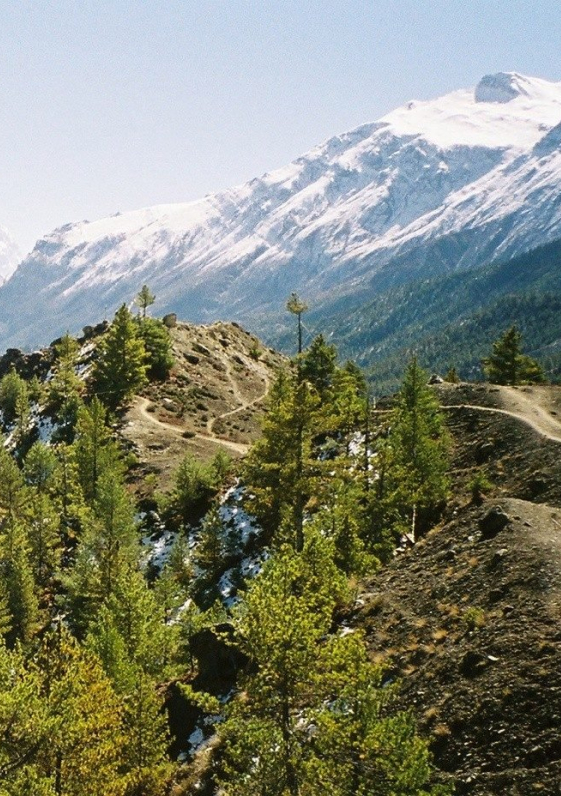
{"x":243,"y":404}
{"x":210,"y":436}
{"x":521,"y":408}
{"x":239,"y":447}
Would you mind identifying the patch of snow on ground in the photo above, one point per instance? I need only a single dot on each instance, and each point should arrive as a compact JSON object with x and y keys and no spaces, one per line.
{"x":45,"y":429}
{"x":159,"y":549}
{"x":234,"y":517}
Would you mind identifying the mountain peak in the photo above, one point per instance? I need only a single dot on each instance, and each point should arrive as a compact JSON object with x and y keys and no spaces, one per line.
{"x":501,"y":87}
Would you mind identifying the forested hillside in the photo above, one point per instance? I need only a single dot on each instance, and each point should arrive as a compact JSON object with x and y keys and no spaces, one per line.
{"x":106,"y":604}
{"x":450,"y":320}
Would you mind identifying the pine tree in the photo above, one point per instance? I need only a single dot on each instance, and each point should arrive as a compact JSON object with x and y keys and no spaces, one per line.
{"x":145,"y":754}
{"x":286,"y":612}
{"x":507,"y":365}
{"x":20,"y":585}
{"x":44,"y":538}
{"x":22,"y":418}
{"x":157,"y":344}
{"x":40,"y":467}
{"x":25,"y":728}
{"x":210,"y":553}
{"x":297,"y":307}
{"x":11,"y":386}
{"x":313,"y":717}
{"x":93,"y":447}
{"x":279,"y":468}
{"x":194,"y":486}
{"x":85,"y":751}
{"x":108,"y":550}
{"x":65,"y":387}
{"x":419,"y":455}
{"x":120,"y":369}
{"x":144,"y":299}
{"x":319,"y":364}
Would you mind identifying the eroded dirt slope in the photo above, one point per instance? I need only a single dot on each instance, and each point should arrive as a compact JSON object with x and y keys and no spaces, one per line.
{"x":470,"y":619}
{"x":213,"y":399}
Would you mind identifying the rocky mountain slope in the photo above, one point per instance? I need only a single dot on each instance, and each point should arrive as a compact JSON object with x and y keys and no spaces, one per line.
{"x":468,"y":619}
{"x":433,"y":186}
{"x":10,"y":255}
{"x":449,"y":320}
{"x":213,"y":399}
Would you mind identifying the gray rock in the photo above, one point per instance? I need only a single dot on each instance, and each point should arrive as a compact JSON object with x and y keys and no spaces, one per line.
{"x":493,"y":522}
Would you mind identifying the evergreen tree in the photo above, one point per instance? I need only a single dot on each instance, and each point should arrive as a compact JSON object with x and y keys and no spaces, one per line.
{"x":65,"y":387}
{"x":44,"y":538}
{"x":279,"y":469}
{"x":120,"y":369}
{"x":145,"y":754}
{"x":93,"y":447}
{"x":85,"y":750}
{"x":297,"y":307}
{"x":11,"y":387}
{"x":313,"y":717}
{"x":21,"y":592}
{"x":318,"y":365}
{"x":144,"y":299}
{"x":210,"y":553}
{"x":40,"y":467}
{"x":419,"y":452}
{"x":25,"y":728}
{"x":507,"y":365}
{"x":194,"y":486}
{"x":157,"y":344}
{"x":22,"y":418}
{"x":286,"y":612}
{"x":108,"y":551}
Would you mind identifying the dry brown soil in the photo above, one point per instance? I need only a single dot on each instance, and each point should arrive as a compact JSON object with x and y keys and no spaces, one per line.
{"x":213,"y":399}
{"x":471,"y":625}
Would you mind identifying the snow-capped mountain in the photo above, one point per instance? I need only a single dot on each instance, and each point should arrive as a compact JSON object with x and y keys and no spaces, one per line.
{"x":10,"y":255}
{"x":432,"y":186}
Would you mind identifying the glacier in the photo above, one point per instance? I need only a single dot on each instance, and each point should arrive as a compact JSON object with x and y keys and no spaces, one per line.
{"x":433,"y":186}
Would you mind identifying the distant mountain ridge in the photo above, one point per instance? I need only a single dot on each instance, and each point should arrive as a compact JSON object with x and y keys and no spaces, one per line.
{"x":10,"y":255}
{"x":432,"y":187}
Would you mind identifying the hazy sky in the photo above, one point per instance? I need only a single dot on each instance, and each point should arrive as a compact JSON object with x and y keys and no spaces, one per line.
{"x":112,"y":105}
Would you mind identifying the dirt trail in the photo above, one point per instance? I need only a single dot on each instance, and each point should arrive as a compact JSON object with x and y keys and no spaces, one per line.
{"x":243,"y":403}
{"x":523,"y":407}
{"x":235,"y":446}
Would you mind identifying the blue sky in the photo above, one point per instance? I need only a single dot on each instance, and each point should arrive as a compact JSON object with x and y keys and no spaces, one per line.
{"x":112,"y":105}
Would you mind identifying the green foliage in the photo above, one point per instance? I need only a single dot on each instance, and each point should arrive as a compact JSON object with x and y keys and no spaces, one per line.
{"x":479,"y":484}
{"x":13,"y":390}
{"x":507,"y":365}
{"x":195,"y":484}
{"x":120,"y":369}
{"x":44,"y":538}
{"x":318,"y":365}
{"x":20,"y":587}
{"x":474,"y":618}
{"x":65,"y":387}
{"x":279,"y":468}
{"x":157,"y":344}
{"x":83,"y":752}
{"x":297,"y":307}
{"x":108,"y":550}
{"x":416,"y":480}
{"x":40,"y":467}
{"x":452,"y":376}
{"x":93,"y":447}
{"x":210,"y":554}
{"x":144,"y":299}
{"x":313,"y":717}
